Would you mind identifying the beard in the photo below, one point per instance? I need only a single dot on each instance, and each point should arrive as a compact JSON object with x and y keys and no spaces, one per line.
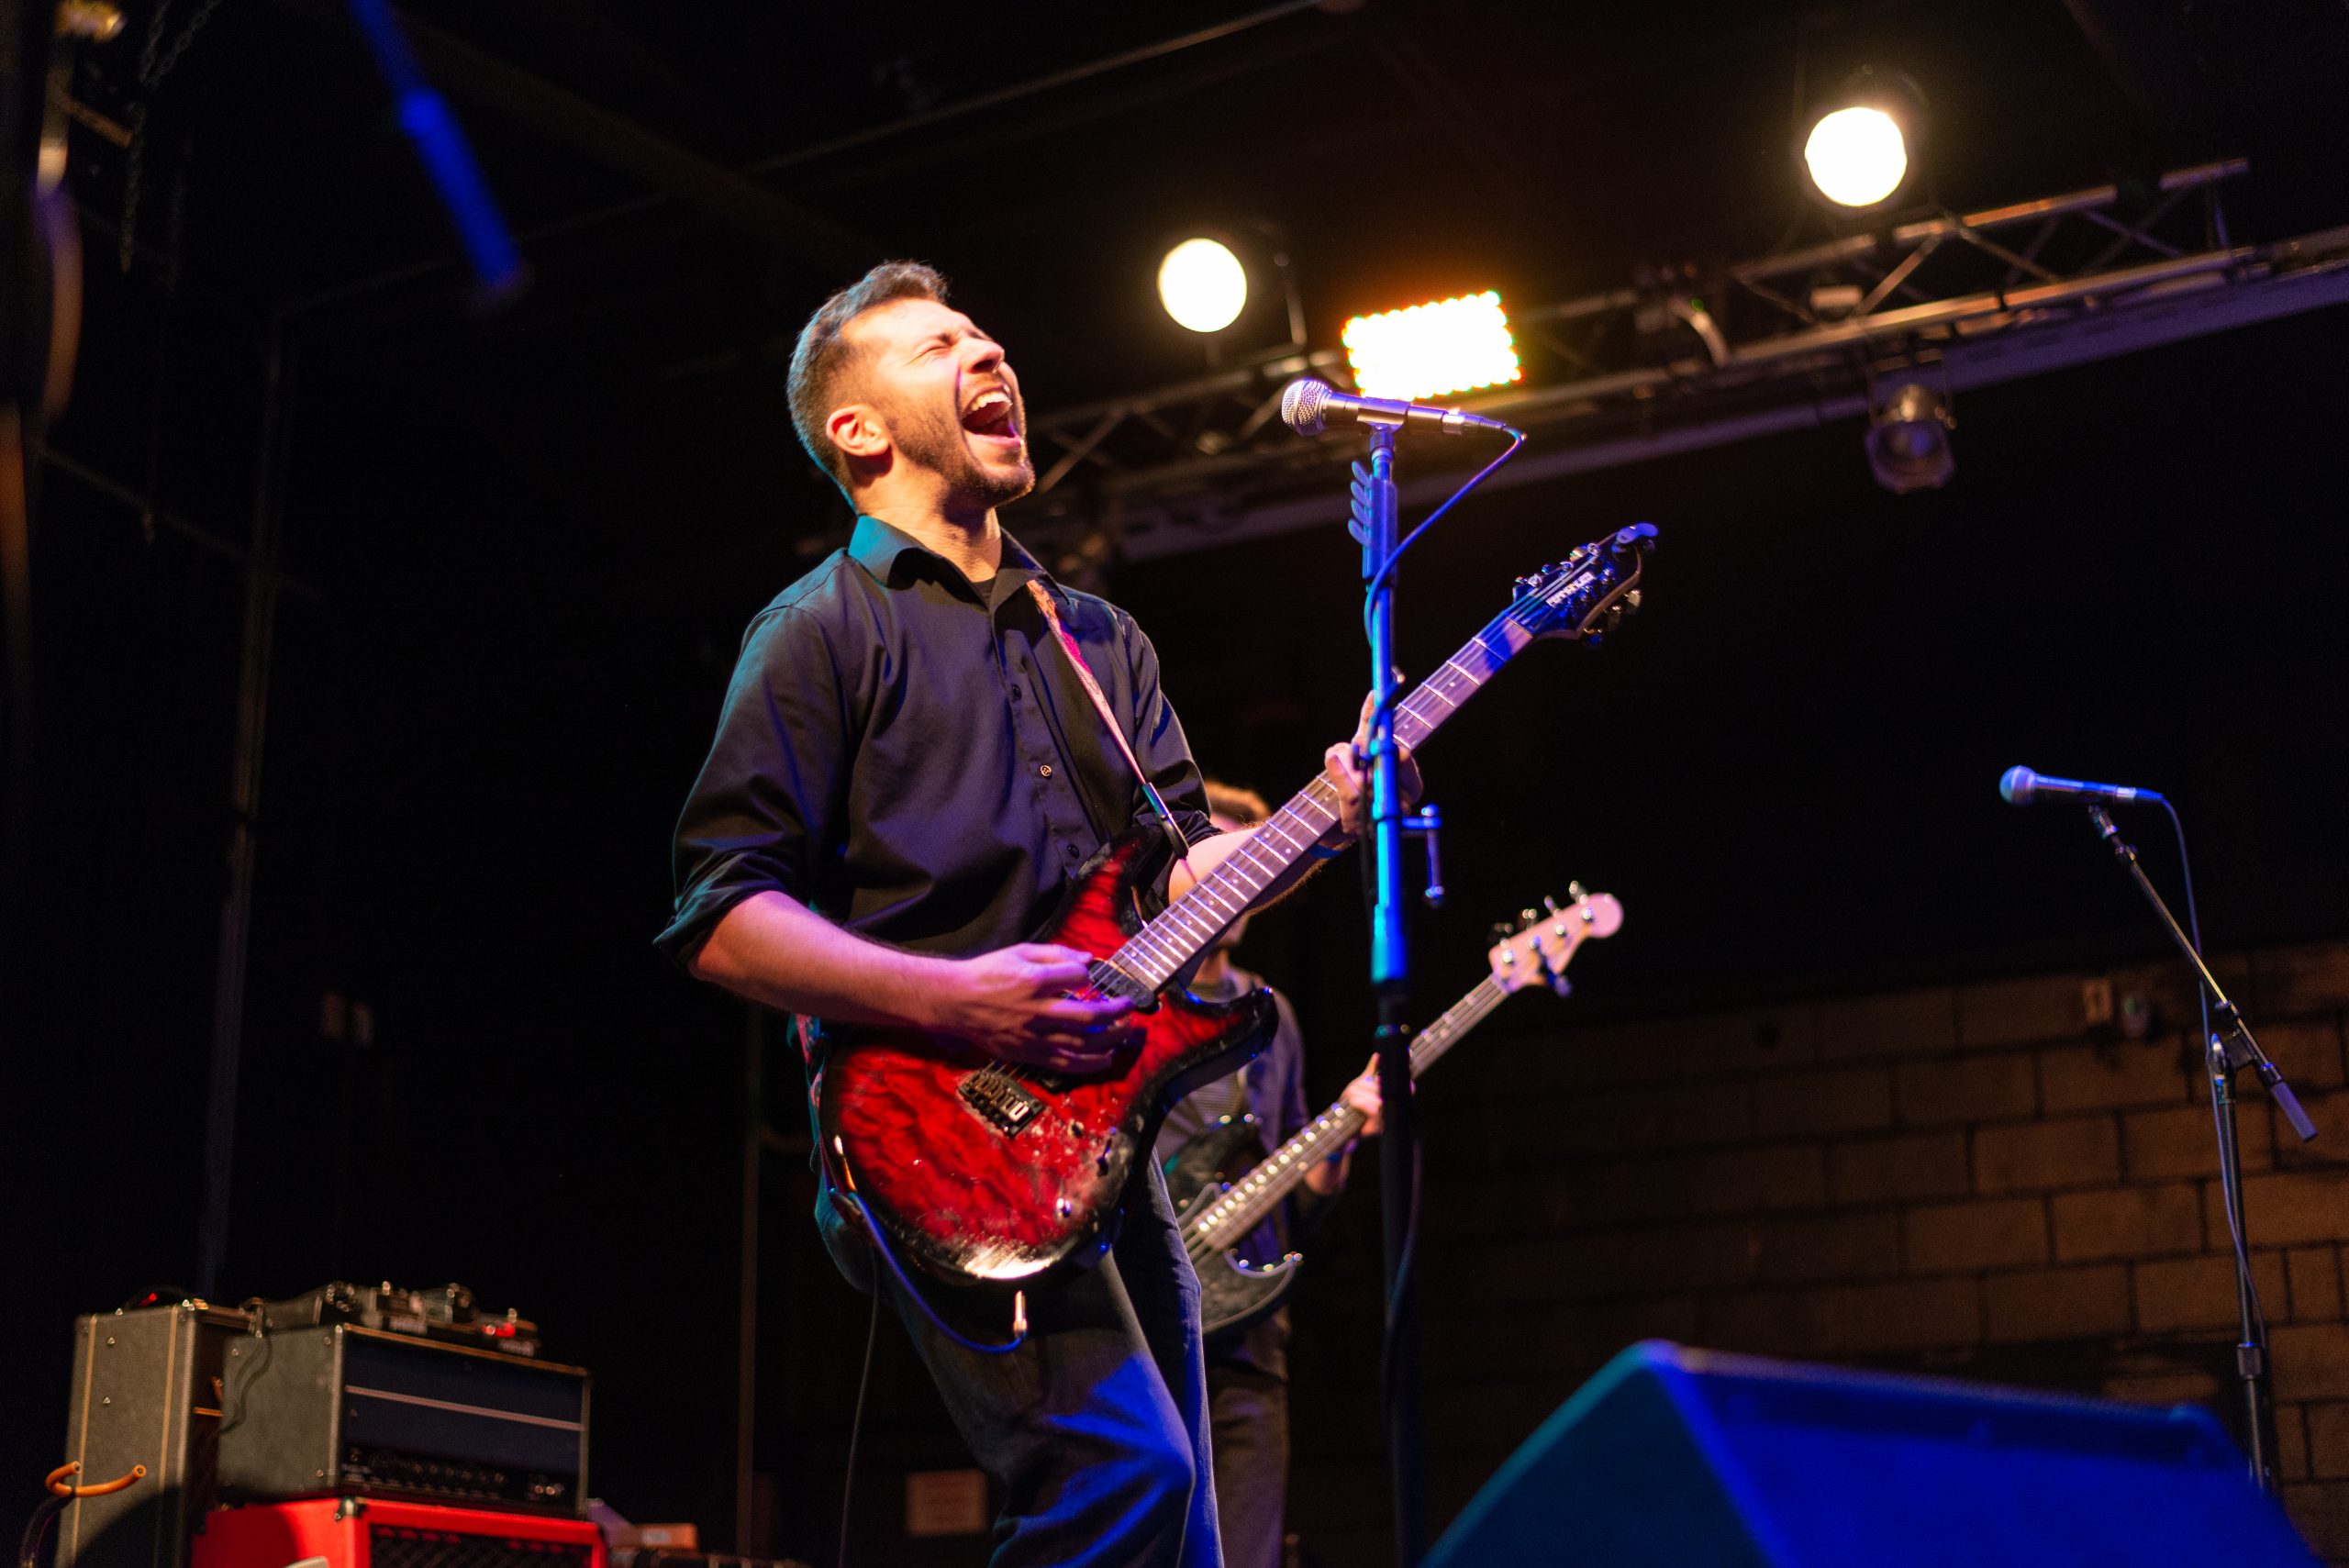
{"x":933,"y":439}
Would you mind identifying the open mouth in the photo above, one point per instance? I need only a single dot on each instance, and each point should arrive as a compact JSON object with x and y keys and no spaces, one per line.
{"x":989,"y":416}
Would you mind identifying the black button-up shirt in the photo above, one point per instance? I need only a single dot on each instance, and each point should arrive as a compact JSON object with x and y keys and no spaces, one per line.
{"x":912,"y":755}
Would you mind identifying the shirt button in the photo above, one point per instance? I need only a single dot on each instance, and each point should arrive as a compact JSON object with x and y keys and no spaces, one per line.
{"x":1014,"y":694}
{"x":1044,"y":771}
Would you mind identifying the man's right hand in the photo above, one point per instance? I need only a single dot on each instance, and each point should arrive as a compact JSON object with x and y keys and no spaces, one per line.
{"x":1014,"y":1002}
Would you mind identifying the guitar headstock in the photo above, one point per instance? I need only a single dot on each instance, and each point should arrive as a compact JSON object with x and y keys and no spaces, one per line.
{"x":1538,"y":950}
{"x":1586,"y":595}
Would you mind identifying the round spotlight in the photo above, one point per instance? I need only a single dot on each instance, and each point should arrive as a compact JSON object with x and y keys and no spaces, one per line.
{"x":1202,"y":285}
{"x":1857,"y":157}
{"x":1860,"y":148}
{"x":1908,"y":440}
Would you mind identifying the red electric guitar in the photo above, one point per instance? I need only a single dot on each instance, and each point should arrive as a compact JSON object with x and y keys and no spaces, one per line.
{"x":981,"y":1169}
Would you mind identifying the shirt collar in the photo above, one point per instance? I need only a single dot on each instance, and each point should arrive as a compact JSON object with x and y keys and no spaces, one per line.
{"x":876,"y":545}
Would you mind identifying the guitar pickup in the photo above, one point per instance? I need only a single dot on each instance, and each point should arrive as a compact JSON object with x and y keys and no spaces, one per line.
{"x":1000,"y":1102}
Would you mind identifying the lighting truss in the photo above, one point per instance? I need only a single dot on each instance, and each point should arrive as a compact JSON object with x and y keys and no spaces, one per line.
{"x":1694,"y":355}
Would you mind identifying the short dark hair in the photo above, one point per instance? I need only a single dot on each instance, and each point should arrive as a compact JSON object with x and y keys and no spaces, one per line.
{"x":822,"y":356}
{"x":1244,"y":807}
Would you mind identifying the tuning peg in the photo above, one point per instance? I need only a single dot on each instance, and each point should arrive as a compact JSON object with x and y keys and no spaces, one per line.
{"x":1501,"y":931}
{"x":1527,"y":917}
{"x":1631,"y":599}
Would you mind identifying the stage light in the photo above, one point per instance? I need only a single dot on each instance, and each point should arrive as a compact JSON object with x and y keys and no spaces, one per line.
{"x":1452,"y":345}
{"x":1202,"y":285}
{"x":1861,"y":146}
{"x":1908,"y":438}
{"x":1856,"y":156}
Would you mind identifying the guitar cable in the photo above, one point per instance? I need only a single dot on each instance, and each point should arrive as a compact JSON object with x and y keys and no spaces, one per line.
{"x":845,"y":1197}
{"x":856,"y":1425}
{"x":1407,"y":1255}
{"x":1387,"y":568}
{"x":1406,"y":1261}
{"x":2218,"y":1116}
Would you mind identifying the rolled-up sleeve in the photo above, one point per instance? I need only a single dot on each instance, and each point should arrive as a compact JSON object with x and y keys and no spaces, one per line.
{"x":771,"y":791}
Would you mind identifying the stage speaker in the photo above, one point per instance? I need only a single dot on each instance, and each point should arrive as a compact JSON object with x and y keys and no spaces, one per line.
{"x":1673,"y":1456}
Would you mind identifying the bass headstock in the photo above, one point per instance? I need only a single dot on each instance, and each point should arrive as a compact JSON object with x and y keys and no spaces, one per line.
{"x":1587,"y":596}
{"x":1538,"y":949}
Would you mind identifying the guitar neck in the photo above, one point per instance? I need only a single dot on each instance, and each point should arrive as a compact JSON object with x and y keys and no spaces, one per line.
{"x":1159,"y":952}
{"x":1254,"y":1195}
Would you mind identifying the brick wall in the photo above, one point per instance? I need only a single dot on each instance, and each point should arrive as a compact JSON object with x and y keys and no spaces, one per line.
{"x":1967,"y":1180}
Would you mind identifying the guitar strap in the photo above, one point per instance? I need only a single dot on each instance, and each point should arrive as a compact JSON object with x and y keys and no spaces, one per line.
{"x":1182,"y":846}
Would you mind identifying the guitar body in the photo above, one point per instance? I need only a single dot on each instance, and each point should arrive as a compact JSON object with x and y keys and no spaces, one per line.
{"x":1233,"y":1292}
{"x":980,"y":1171}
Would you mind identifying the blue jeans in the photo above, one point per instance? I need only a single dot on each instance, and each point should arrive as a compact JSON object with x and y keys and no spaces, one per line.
{"x":1097,"y":1427}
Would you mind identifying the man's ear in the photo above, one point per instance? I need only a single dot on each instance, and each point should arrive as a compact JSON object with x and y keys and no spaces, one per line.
{"x":856,"y":430}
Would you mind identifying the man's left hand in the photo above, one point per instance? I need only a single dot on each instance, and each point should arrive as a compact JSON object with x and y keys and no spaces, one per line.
{"x":1343,"y":766}
{"x":1362,"y":1095}
{"x":1327,"y":1177}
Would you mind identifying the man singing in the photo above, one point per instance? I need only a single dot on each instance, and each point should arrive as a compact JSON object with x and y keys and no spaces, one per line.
{"x":906,"y":774}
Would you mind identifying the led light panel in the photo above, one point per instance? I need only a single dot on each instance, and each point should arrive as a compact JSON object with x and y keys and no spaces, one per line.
{"x":1453,"y":345}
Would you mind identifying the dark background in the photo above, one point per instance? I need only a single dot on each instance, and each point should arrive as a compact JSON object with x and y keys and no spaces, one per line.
{"x":522,"y":548}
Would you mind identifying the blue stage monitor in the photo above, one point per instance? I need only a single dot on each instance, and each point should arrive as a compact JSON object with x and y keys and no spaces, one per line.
{"x":1671,"y":1458}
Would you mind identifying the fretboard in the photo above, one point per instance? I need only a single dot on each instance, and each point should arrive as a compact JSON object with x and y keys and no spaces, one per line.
{"x":1157,"y":953}
{"x":1228,"y":1221}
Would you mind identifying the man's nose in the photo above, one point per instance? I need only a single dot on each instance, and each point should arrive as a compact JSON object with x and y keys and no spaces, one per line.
{"x":985,"y":359}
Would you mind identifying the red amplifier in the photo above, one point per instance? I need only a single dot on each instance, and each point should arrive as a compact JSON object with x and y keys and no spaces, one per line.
{"x":377,"y":1532}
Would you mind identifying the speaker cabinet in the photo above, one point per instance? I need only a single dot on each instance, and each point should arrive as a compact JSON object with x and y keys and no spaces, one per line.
{"x":1672,"y":1456}
{"x":379,"y":1532}
{"x":146,"y":1391}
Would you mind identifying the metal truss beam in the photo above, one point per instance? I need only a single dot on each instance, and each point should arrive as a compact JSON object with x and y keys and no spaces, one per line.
{"x":1697,"y":356}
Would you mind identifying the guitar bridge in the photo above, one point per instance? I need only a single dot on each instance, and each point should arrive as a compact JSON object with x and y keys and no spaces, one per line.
{"x":1000,"y":1102}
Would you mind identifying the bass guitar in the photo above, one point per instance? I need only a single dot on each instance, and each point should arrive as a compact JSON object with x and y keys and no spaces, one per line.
{"x":1224,"y":1184}
{"x":982,"y":1169}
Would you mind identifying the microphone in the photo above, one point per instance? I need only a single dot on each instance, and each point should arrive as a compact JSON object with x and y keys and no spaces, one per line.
{"x":1310,"y":406}
{"x":2021,"y":786}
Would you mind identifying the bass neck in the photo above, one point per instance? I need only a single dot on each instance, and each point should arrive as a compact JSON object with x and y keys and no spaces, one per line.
{"x":1244,"y":1206}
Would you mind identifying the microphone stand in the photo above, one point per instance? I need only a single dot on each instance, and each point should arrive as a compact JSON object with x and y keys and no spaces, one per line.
{"x":2224,"y":1053}
{"x":1376,"y":508}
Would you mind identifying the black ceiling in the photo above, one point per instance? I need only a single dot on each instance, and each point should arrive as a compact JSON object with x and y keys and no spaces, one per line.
{"x":1407,"y":148}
